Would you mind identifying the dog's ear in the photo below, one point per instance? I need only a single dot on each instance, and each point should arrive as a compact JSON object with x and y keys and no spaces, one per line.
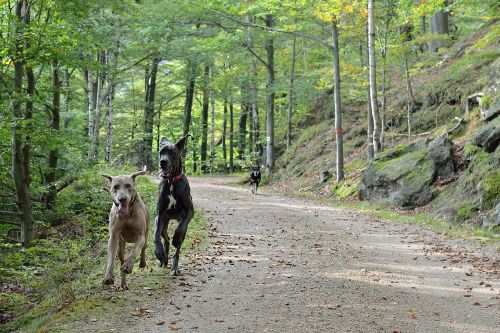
{"x":164,"y":141}
{"x":138,"y":173}
{"x":181,"y":144}
{"x":107,"y":190}
{"x":109,"y":177}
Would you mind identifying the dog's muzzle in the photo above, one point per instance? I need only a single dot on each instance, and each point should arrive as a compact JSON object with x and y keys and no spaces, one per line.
{"x":123,"y":206}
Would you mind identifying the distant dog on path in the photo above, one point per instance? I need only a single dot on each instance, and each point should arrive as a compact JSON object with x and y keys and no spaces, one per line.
{"x":128,"y":223}
{"x":174,"y":202}
{"x":255,"y":179}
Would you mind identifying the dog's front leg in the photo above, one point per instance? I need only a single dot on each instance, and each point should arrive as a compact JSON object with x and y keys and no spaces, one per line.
{"x":160,"y":253}
{"x":180,"y":234}
{"x":129,"y":264}
{"x":112,"y":247}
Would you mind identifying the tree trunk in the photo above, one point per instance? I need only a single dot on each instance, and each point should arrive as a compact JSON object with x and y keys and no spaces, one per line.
{"x":212,"y":131}
{"x":270,"y":99}
{"x":65,"y":98}
{"x":91,"y":100}
{"x":243,"y":130}
{"x":150,"y":85}
{"x":224,"y":133}
{"x":111,"y":95}
{"x":438,"y":26}
{"x":50,"y":175}
{"x":188,"y":104}
{"x":94,"y":146}
{"x":409,"y":91}
{"x":253,"y":94}
{"x":338,"y":104}
{"x":19,"y":175}
{"x":109,"y":128}
{"x":369,"y":115}
{"x":383,"y":107}
{"x":291,"y":96}
{"x":204,"y":120}
{"x":373,"y":77}
{"x":231,"y":135}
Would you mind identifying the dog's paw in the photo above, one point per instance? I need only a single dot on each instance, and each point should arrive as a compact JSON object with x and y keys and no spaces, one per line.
{"x":127,"y":267}
{"x":175,"y":272}
{"x":142,"y":263}
{"x":123,"y":287}
{"x":161,"y":255}
{"x":108,"y":281}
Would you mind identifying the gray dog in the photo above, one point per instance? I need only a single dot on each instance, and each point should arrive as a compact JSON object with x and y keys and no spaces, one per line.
{"x":128,"y":223}
{"x":174,"y":202}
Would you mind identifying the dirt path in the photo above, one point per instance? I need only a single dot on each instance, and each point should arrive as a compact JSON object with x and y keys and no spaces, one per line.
{"x":281,"y":265}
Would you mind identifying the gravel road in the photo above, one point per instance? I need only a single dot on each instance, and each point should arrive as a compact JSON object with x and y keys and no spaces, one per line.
{"x":276,"y":264}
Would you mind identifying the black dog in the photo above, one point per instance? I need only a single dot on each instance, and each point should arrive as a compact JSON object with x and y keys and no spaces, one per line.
{"x":174,"y":202}
{"x":254,"y":179}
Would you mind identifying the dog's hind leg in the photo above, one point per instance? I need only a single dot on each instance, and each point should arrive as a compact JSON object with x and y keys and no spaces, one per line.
{"x":180,"y":234}
{"x":142,"y":263}
{"x":160,"y":229}
{"x":112,"y":247}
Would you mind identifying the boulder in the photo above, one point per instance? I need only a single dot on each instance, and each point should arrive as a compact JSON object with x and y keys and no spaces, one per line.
{"x":489,"y":136}
{"x":494,"y":218}
{"x":405,"y":181}
{"x":441,"y":156}
{"x":403,"y":176}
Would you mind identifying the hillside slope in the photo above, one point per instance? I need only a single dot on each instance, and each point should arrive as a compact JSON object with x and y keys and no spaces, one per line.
{"x":470,"y":191}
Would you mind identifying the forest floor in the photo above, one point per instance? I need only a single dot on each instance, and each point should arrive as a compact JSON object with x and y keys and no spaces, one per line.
{"x":274,"y":263}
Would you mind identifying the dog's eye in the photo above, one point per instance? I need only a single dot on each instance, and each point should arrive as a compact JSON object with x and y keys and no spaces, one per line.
{"x":127,"y":186}
{"x":116,"y":187}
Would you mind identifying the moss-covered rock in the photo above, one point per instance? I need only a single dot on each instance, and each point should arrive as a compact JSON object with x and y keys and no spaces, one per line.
{"x":405,"y":181}
{"x":489,"y":136}
{"x":477,"y":190}
{"x":404,"y":176}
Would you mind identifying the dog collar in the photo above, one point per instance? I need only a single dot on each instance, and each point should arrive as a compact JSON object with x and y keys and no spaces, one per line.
{"x":178,"y":177}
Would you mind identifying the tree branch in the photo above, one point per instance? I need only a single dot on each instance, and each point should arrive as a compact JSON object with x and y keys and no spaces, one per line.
{"x":258,"y":57}
{"x":253,"y":25}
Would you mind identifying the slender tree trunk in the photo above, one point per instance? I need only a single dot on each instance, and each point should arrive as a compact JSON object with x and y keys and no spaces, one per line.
{"x":409,"y":92}
{"x":94,"y":149}
{"x":253,"y":94}
{"x":270,"y":99}
{"x":291,"y":96}
{"x":134,"y":107}
{"x":243,"y":130}
{"x":212,"y":131}
{"x":231,"y":135}
{"x":204,"y":120}
{"x":111,"y":95}
{"x":224,"y":133}
{"x":383,"y":106}
{"x":109,"y":130}
{"x":91,"y":100}
{"x":65,"y":98}
{"x":369,"y":116}
{"x":50,"y":175}
{"x":149,"y":108}
{"x":188,"y":104}
{"x":373,"y":78}
{"x":338,"y":104}
{"x":19,"y":175}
